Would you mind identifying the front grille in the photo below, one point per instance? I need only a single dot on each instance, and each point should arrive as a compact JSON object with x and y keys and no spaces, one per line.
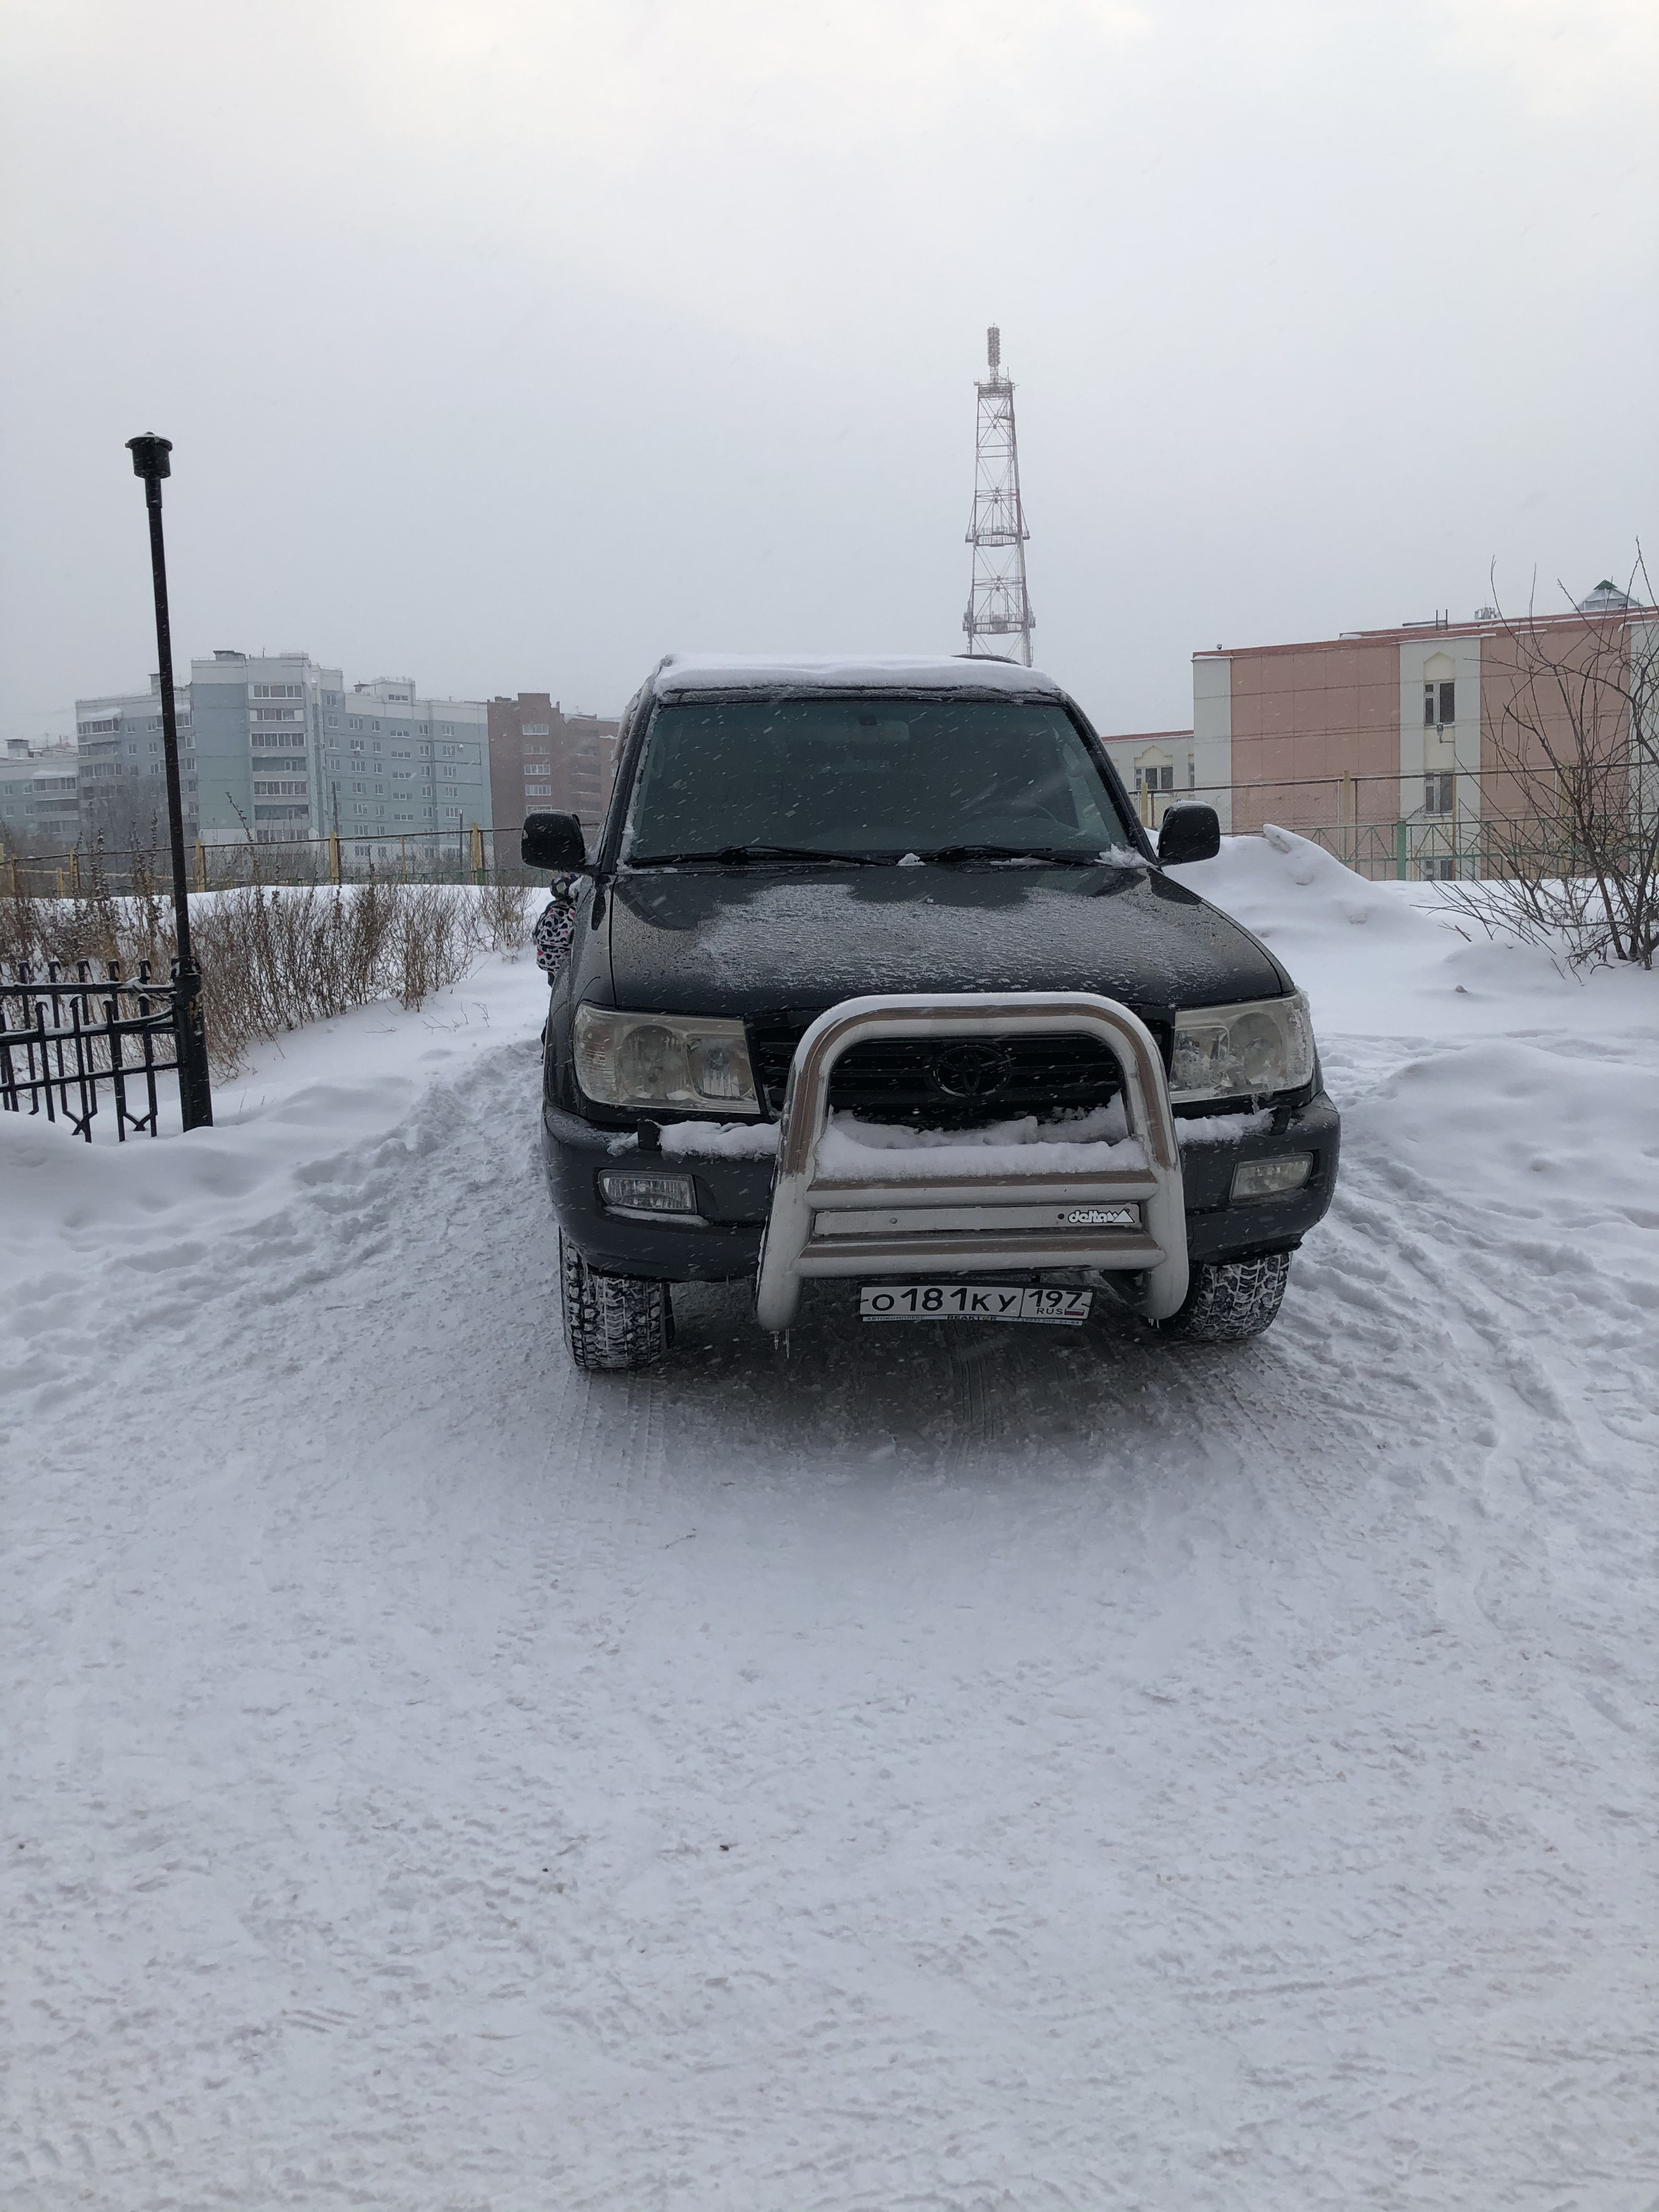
{"x":933,"y":1083}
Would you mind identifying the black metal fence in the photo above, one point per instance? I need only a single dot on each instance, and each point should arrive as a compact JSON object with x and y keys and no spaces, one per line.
{"x":62,"y":1040}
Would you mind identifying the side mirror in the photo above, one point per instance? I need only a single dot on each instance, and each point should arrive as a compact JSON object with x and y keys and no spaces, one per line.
{"x":552,"y":840}
{"x":1190,"y":832}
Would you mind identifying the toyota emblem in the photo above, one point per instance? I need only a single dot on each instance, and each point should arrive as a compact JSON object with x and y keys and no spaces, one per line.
{"x":976,"y":1067}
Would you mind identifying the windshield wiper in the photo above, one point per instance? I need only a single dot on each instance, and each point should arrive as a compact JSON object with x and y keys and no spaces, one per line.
{"x":744,"y":856}
{"x":949,"y":855}
{"x":740,"y":856}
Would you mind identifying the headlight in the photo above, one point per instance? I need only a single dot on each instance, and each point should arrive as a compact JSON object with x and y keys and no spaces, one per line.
{"x":663,"y":1060}
{"x":1238,"y":1052}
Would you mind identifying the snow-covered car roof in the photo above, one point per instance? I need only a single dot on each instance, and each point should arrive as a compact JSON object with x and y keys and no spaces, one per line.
{"x":683,"y":673}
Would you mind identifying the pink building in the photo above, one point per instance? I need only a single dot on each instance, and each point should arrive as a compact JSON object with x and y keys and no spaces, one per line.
{"x":1384,"y":742}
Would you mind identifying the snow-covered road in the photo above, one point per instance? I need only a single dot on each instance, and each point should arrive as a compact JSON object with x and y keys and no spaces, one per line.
{"x":936,"y":1768}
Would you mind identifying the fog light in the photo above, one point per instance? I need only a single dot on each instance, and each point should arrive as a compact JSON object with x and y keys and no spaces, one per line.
{"x":1271,"y":1178}
{"x":641,"y":1192}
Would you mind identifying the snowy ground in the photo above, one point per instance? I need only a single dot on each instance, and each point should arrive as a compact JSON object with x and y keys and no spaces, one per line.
{"x":946,"y":1768}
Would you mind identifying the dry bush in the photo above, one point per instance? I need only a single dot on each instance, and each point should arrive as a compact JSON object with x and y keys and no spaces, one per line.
{"x":504,"y":916}
{"x":436,"y":937}
{"x":33,"y":928}
{"x":271,"y":959}
{"x":1577,"y":744}
{"x":20,"y":921}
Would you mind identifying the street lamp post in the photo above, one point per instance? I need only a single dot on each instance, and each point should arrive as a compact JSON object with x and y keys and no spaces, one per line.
{"x":149,"y":460}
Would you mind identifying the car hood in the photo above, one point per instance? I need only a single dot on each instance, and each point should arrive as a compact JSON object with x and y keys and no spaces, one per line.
{"x":744,"y":941}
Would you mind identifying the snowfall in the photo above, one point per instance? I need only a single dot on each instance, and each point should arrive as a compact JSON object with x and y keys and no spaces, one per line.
{"x":960,"y":1767}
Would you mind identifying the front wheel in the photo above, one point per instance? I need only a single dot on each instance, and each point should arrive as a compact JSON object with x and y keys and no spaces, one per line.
{"x":1230,"y":1300}
{"x":611,"y":1321}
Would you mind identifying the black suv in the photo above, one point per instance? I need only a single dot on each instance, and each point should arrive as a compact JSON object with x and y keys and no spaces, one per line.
{"x":875,"y":975}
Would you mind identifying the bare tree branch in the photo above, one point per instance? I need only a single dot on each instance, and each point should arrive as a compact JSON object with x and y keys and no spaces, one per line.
{"x":1570,"y":781}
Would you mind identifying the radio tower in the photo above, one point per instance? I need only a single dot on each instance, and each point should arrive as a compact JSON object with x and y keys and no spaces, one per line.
{"x":999,"y":606}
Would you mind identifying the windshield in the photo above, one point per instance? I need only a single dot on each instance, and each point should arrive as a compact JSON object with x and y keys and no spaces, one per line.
{"x":868,"y":779}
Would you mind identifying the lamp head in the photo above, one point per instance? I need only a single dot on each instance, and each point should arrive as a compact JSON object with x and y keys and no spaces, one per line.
{"x":149,"y":455}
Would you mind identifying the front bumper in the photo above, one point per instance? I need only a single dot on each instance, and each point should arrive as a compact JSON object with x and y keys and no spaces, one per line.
{"x":935,"y":1215}
{"x":1218,"y":1229}
{"x":735,"y":1196}
{"x":722,"y":1243}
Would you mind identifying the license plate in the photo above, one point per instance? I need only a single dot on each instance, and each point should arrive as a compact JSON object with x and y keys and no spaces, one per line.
{"x":973,"y":1302}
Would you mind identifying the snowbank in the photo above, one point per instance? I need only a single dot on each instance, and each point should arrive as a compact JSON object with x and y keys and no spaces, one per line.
{"x":1392,"y":959}
{"x":1553,"y":1148}
{"x":324,"y":1093}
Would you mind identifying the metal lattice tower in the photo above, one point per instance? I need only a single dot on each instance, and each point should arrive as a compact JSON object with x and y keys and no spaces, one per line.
{"x":999,"y":605}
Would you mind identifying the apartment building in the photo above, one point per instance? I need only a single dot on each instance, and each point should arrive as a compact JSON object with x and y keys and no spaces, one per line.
{"x":39,"y":802}
{"x":275,"y":748}
{"x":1387,"y":740}
{"x":259,"y":726}
{"x":396,"y":766}
{"x":123,"y":799}
{"x":542,"y":759}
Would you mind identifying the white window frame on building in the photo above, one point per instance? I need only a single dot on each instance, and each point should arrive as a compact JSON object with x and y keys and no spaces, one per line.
{"x":1440,"y":702}
{"x":1155,"y":785}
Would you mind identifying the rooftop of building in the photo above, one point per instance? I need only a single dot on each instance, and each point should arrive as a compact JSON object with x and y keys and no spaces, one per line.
{"x":53,"y":753}
{"x":1487,"y":622}
{"x":543,"y":703}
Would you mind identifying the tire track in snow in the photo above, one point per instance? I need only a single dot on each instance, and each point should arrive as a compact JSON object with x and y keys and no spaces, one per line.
{"x":979,"y":1379}
{"x":1114,"y":1743}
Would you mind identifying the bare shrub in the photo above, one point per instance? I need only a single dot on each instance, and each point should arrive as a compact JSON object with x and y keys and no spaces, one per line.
{"x":21,"y":918}
{"x":1574,"y":843}
{"x":273,"y":958}
{"x":503,"y":915}
{"x":436,"y":937}
{"x":94,"y":922}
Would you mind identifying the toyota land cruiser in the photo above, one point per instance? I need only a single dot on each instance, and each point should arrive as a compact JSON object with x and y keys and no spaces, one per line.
{"x":875,"y":977}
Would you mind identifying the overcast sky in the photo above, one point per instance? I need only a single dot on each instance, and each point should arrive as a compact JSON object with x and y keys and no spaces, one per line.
{"x":510,"y":343}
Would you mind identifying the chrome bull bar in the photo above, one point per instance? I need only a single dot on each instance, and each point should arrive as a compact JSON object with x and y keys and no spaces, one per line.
{"x":885,"y":1226}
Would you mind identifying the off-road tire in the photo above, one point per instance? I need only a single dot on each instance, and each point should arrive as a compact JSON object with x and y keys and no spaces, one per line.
{"x":611,"y":1322}
{"x":1234,"y":1299}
